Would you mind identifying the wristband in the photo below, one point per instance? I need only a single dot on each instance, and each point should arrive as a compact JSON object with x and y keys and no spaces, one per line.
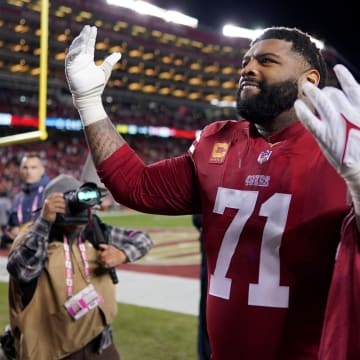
{"x":90,"y":111}
{"x":90,"y":107}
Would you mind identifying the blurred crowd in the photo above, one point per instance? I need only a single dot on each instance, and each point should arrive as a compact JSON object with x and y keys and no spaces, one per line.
{"x":66,"y":152}
{"x":178,"y":115}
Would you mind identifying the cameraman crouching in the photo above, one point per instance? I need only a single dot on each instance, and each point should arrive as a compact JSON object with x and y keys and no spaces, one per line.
{"x":61,"y":297}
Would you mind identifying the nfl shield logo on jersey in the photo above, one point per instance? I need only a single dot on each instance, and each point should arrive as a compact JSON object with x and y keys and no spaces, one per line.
{"x":264,"y":156}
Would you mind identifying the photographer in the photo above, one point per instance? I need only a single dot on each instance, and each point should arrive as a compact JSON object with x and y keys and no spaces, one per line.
{"x":61,"y":297}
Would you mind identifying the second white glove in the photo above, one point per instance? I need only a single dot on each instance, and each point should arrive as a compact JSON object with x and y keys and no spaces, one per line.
{"x":338,"y":129}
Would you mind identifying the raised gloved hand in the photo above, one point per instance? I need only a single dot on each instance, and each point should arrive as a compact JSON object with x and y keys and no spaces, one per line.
{"x":338,"y":129}
{"x":86,"y":80}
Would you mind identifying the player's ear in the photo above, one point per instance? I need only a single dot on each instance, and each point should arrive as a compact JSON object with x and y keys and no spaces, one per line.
{"x":312,"y":76}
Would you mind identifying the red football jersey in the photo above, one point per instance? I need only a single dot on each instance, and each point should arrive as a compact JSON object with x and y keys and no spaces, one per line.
{"x":272,"y":214}
{"x":341,"y":329}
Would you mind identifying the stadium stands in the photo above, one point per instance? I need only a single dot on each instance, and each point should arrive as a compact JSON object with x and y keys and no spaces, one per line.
{"x":162,"y":62}
{"x":169,"y":76}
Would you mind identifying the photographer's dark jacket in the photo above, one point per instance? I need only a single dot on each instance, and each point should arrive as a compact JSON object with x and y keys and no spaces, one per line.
{"x":40,"y":323}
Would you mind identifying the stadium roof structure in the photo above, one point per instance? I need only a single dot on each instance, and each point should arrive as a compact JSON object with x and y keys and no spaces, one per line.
{"x":162,"y":61}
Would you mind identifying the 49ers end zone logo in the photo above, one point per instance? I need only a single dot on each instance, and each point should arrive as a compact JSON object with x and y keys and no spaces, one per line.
{"x":218,"y":153}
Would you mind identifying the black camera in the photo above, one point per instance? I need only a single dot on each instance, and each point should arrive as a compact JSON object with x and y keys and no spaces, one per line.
{"x":78,"y":202}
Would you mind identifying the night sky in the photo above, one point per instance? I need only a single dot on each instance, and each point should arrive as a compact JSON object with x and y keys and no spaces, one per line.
{"x":329,"y":21}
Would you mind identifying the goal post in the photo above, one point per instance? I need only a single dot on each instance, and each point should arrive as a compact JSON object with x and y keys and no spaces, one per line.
{"x":41,"y":132}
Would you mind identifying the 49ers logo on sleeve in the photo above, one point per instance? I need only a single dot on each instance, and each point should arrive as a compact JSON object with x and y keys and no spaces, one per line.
{"x":218,"y":153}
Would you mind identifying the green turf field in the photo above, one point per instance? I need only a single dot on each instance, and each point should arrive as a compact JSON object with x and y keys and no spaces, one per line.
{"x":143,"y":333}
{"x":139,"y":220}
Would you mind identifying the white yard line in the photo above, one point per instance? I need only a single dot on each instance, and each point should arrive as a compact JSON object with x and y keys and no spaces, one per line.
{"x":163,"y":292}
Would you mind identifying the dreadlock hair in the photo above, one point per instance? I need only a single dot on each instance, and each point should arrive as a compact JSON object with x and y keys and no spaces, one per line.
{"x":302,"y":44}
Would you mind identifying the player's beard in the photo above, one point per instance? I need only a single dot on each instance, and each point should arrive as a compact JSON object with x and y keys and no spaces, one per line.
{"x":270,"y":102}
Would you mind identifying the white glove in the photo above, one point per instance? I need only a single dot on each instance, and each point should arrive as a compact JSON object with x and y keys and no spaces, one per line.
{"x":338,"y":129}
{"x":85,"y":79}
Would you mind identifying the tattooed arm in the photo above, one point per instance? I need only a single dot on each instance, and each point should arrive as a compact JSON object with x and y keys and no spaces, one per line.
{"x":103,"y":140}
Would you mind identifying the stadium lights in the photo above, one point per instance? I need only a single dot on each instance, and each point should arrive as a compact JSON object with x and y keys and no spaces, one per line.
{"x":146,"y":8}
{"x":236,"y":31}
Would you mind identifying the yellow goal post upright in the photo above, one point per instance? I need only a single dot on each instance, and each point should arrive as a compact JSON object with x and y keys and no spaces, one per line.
{"x":41,"y":132}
